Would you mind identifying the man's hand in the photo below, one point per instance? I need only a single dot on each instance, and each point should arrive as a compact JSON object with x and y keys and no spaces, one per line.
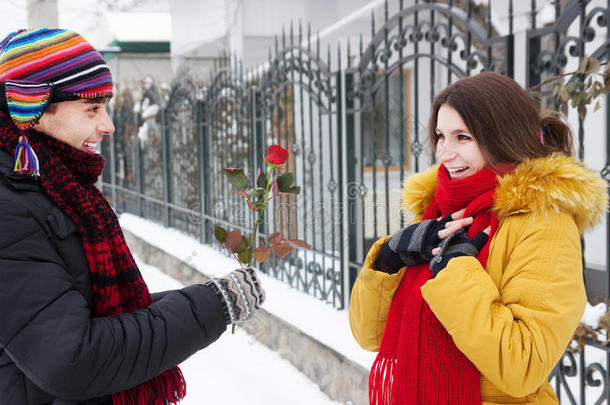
{"x":240,"y":292}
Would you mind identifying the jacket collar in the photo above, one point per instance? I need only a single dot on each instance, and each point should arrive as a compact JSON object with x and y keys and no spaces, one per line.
{"x":543,"y":186}
{"x":17,"y":181}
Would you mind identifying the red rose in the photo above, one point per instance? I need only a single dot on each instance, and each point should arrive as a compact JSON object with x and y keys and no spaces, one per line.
{"x":276,"y":155}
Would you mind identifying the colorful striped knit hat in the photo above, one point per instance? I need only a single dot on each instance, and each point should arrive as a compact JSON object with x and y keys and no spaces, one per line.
{"x":43,"y":66}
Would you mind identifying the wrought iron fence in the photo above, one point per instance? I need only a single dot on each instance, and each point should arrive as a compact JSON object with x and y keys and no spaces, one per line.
{"x":355,"y":124}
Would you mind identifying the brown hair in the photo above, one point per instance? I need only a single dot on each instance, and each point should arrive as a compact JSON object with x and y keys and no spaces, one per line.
{"x":504,"y":119}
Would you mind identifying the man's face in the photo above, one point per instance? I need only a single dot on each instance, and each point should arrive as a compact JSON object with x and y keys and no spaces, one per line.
{"x":80,"y":123}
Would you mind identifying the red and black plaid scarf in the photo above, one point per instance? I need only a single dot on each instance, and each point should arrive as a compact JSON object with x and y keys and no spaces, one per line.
{"x":67,"y":176}
{"x":418,"y":362}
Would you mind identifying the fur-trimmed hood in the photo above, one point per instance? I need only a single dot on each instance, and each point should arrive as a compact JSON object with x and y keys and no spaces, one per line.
{"x":542,"y":186}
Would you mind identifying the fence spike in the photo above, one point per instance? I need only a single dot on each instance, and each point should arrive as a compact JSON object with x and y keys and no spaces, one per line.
{"x":235,"y":62}
{"x":533,"y":14}
{"x":309,"y":36}
{"x":510,"y":16}
{"x":339,"y":55}
{"x":489,"y":15}
{"x":283,"y":36}
{"x":385,"y":11}
{"x":557,"y":9}
{"x":349,"y":53}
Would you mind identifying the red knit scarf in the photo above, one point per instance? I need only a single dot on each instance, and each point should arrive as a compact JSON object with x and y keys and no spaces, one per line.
{"x":67,"y":176}
{"x":418,"y":363}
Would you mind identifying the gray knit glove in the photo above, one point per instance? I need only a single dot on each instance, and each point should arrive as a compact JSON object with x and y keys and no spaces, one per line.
{"x":240,"y":293}
{"x":414,"y":243}
{"x":456,"y":245}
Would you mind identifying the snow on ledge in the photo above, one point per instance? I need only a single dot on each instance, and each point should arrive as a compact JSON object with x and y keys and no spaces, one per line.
{"x":306,"y":313}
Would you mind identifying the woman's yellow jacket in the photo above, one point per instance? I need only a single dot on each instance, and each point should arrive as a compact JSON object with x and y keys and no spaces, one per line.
{"x":514,"y":318}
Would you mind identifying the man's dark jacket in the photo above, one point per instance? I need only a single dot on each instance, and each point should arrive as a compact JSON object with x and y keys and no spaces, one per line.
{"x":52,"y":351}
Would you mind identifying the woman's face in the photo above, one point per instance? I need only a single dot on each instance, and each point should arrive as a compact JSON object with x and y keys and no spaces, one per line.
{"x":456,"y":147}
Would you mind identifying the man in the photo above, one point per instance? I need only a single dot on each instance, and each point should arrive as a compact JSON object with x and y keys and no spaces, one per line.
{"x":78,"y":325}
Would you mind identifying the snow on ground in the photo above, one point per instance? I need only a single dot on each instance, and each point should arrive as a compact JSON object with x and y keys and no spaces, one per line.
{"x":306,"y":313}
{"x":593,"y":314}
{"x":235,"y":370}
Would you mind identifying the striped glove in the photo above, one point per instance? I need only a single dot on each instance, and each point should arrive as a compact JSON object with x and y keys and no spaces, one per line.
{"x":414,"y":243}
{"x":240,"y":293}
{"x":411,"y":245}
{"x":455,"y":245}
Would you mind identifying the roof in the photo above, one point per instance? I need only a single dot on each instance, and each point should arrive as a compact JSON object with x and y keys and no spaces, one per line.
{"x":136,"y":46}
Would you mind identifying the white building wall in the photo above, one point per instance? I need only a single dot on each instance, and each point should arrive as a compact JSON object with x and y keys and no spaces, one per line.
{"x":266,"y":17}
{"x":12,"y":17}
{"x":42,"y":14}
{"x":130,"y":69}
{"x":199,"y":30}
{"x":248,"y":28}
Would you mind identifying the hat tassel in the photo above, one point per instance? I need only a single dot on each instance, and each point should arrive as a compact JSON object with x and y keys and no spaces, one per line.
{"x":26,"y":161}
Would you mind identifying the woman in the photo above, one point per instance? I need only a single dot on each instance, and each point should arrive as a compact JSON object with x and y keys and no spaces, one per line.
{"x":477,"y":300}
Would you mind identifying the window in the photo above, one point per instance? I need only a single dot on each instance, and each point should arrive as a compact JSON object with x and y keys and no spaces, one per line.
{"x":380,"y":147}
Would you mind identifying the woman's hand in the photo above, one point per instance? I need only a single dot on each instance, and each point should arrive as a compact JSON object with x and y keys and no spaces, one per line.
{"x":458,"y":223}
{"x":414,"y":243}
{"x":417,"y":243}
{"x":460,"y":245}
{"x":456,"y":245}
